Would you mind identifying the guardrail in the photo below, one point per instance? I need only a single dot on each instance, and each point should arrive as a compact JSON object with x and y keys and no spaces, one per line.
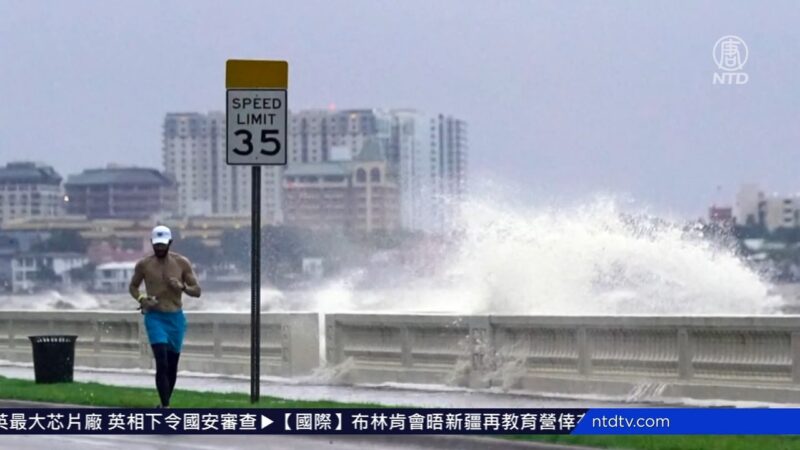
{"x":702,"y":357}
{"x":506,"y":350}
{"x":214,"y":342}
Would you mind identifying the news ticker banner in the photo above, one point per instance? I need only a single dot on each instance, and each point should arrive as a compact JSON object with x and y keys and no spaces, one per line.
{"x":650,"y":421}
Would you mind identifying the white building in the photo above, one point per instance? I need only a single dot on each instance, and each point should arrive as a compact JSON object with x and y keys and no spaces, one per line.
{"x":432,"y":168}
{"x":418,"y":173}
{"x":773,"y":211}
{"x":781,"y":211}
{"x":113,"y":277}
{"x":194,"y":153}
{"x":30,"y":271}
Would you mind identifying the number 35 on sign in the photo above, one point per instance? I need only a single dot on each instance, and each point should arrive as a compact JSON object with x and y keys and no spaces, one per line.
{"x":256,"y":126}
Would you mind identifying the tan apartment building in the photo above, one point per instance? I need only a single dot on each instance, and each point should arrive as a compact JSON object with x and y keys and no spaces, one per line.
{"x":346,"y":196}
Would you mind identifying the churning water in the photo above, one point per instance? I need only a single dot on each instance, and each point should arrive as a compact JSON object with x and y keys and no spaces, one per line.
{"x":583,"y":260}
{"x":590,"y":259}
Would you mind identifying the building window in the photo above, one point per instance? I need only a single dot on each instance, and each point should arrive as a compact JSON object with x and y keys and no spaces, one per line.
{"x":361,"y":176}
{"x":375,"y":175}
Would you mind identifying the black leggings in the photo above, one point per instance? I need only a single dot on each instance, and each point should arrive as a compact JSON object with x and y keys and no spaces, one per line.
{"x":166,"y":371}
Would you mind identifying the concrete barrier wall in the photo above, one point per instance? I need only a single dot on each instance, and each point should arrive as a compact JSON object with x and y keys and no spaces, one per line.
{"x":507,"y":350}
{"x":751,"y":358}
{"x":214,"y":342}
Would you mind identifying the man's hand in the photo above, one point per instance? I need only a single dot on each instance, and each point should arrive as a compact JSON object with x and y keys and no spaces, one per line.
{"x":147,"y":302}
{"x":176,"y":284}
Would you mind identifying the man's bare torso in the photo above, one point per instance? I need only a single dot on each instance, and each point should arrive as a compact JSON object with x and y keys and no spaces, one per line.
{"x":156,"y":273}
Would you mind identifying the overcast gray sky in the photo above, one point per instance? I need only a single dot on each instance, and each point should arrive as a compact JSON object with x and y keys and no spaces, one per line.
{"x":562,"y":98}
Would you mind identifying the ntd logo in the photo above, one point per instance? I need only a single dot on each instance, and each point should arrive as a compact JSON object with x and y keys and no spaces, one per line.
{"x":730,"y":78}
{"x":730,"y":56}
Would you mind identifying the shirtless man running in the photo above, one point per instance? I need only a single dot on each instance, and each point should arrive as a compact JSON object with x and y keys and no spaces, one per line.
{"x":167,"y":275}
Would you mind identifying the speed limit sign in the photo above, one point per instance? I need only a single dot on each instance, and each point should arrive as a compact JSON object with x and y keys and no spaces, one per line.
{"x":256,"y":136}
{"x":256,"y":113}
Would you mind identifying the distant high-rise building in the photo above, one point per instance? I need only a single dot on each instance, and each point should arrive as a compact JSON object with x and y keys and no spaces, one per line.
{"x":29,"y":190}
{"x":316,"y":135}
{"x":120,"y":193}
{"x":188,"y":146}
{"x":426,"y":154}
{"x":194,"y":153}
{"x":432,"y":158}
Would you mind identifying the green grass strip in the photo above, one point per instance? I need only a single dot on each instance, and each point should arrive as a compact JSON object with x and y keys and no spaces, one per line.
{"x":95,"y":394}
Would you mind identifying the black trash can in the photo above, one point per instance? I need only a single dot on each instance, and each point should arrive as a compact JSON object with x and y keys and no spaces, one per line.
{"x":53,"y":358}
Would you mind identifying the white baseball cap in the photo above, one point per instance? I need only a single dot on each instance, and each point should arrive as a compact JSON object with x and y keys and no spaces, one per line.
{"x":161,"y":235}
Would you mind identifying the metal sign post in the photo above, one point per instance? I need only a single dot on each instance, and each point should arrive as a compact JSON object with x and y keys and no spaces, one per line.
{"x":255,"y":287}
{"x":256,"y":117}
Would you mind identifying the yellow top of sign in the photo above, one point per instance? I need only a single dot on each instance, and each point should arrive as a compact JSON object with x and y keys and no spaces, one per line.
{"x":254,"y":74}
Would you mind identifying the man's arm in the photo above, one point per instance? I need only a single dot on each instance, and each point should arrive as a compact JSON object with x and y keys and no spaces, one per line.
{"x":190,"y":285}
{"x":136,"y":281}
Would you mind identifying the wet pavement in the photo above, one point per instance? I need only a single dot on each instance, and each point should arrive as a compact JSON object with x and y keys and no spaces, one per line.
{"x":388,"y":394}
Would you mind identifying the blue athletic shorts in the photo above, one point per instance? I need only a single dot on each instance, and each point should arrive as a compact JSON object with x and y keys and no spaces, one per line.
{"x":166,"y":328}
